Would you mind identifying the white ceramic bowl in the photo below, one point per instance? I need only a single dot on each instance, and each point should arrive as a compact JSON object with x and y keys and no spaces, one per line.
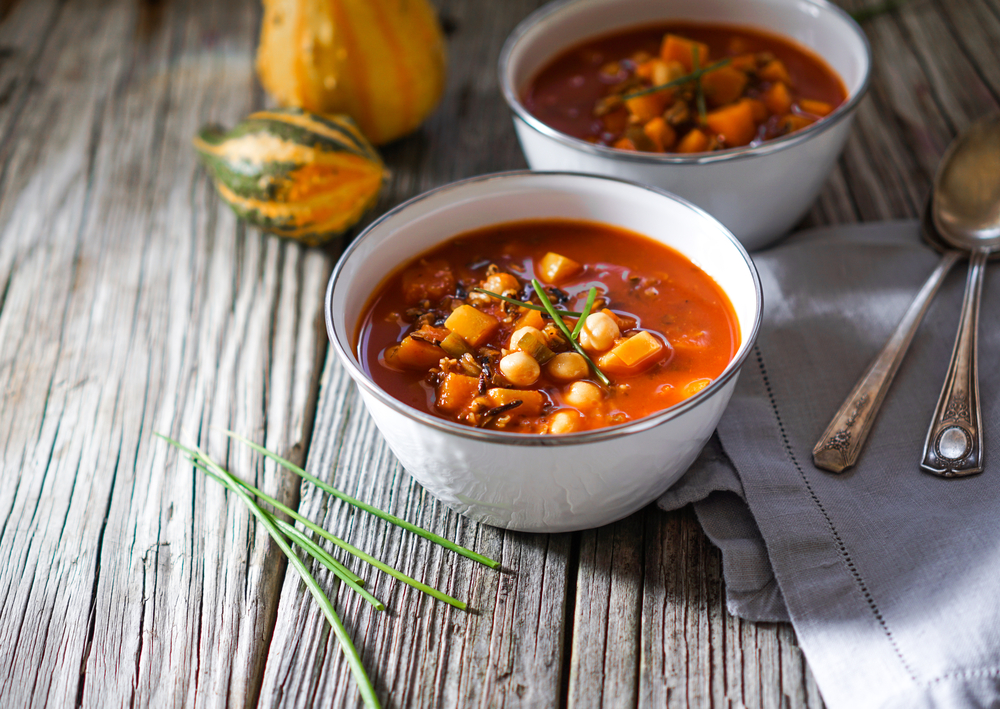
{"x":542,"y":483}
{"x":759,"y":193}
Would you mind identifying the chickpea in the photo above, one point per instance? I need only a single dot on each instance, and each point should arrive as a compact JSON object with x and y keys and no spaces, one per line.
{"x":567,"y":367}
{"x":599,"y":332}
{"x":564,"y":422}
{"x":521,"y":332}
{"x":583,"y":395}
{"x":520,"y":369}
{"x":500,"y":282}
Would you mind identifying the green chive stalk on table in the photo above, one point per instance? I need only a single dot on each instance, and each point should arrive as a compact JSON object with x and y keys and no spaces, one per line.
{"x":286,"y":534}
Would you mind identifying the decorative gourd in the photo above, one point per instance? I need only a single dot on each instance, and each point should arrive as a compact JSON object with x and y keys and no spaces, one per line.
{"x":382,"y":62}
{"x":292,"y":173}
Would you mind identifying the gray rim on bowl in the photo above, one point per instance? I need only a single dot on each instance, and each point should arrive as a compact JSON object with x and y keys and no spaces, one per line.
{"x":771,"y":146}
{"x":533,"y":439}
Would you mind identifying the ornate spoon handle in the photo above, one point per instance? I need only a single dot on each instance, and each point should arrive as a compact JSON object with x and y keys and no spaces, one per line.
{"x":954,"y":444}
{"x":840,"y":445}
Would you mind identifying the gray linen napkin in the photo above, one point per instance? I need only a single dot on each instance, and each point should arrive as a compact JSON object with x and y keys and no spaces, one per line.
{"x":890,"y":576}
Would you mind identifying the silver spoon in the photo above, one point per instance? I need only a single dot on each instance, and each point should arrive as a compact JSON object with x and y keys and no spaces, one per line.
{"x":966,"y":213}
{"x":840,"y":445}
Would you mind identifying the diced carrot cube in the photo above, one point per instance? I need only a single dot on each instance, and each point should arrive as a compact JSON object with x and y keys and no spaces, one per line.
{"x":694,"y":142}
{"x":678,"y":49}
{"x":531,"y":401}
{"x":775,"y":70}
{"x":724,"y":85}
{"x":648,"y":106}
{"x":417,"y":354}
{"x":638,"y":349}
{"x":758,"y":109}
{"x":555,"y":268}
{"x":624,"y":144}
{"x":456,"y":392}
{"x":530,"y":318}
{"x":733,"y":123}
{"x":792,"y":123}
{"x":472,"y":325}
{"x":777,"y":99}
{"x":428,"y":280}
{"x":816,"y":108}
{"x":661,"y":133}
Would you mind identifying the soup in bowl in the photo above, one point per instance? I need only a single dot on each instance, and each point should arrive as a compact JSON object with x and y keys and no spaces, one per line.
{"x":545,"y":351}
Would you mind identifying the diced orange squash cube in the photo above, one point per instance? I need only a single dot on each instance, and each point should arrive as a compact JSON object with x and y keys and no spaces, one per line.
{"x":456,"y":391}
{"x":472,"y":325}
{"x":724,"y":85}
{"x":417,"y":354}
{"x":759,"y":110}
{"x":816,"y":108}
{"x":694,"y":142}
{"x":733,"y":123}
{"x":638,"y":349}
{"x":631,"y":356}
{"x":530,"y":318}
{"x":555,"y":268}
{"x":678,"y":49}
{"x":777,"y":99}
{"x":611,"y":365}
{"x":775,"y":70}
{"x":661,"y":133}
{"x":744,"y":62}
{"x":531,"y":401}
{"x":648,"y":106}
{"x":427,"y":280}
{"x":792,"y":123}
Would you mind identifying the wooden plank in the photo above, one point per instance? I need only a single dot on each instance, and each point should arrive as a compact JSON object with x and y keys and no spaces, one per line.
{"x":136,"y":303}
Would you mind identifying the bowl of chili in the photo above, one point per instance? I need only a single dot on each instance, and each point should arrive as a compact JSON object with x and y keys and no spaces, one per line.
{"x":535,"y":454}
{"x":741,"y":107}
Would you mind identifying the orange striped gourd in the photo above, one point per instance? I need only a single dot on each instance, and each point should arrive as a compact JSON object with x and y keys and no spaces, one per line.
{"x":295,"y":174}
{"x":382,"y":62}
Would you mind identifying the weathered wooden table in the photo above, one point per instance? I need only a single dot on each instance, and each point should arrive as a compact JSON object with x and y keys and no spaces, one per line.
{"x":132,"y":301}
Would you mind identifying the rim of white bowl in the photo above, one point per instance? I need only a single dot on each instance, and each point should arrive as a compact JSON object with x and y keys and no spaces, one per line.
{"x":349,"y":358}
{"x":767,"y":148}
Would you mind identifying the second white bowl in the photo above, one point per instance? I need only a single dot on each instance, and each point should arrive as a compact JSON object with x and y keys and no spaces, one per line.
{"x":759,"y":193}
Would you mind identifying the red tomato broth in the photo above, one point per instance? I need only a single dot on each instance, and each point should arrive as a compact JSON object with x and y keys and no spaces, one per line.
{"x":688,"y":311}
{"x":563,"y":94}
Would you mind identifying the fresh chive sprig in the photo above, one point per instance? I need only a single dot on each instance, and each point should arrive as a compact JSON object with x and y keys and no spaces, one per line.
{"x":325,"y":487}
{"x":557,"y":319}
{"x":681,"y":80}
{"x":350,"y":652}
{"x":346,"y":546}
